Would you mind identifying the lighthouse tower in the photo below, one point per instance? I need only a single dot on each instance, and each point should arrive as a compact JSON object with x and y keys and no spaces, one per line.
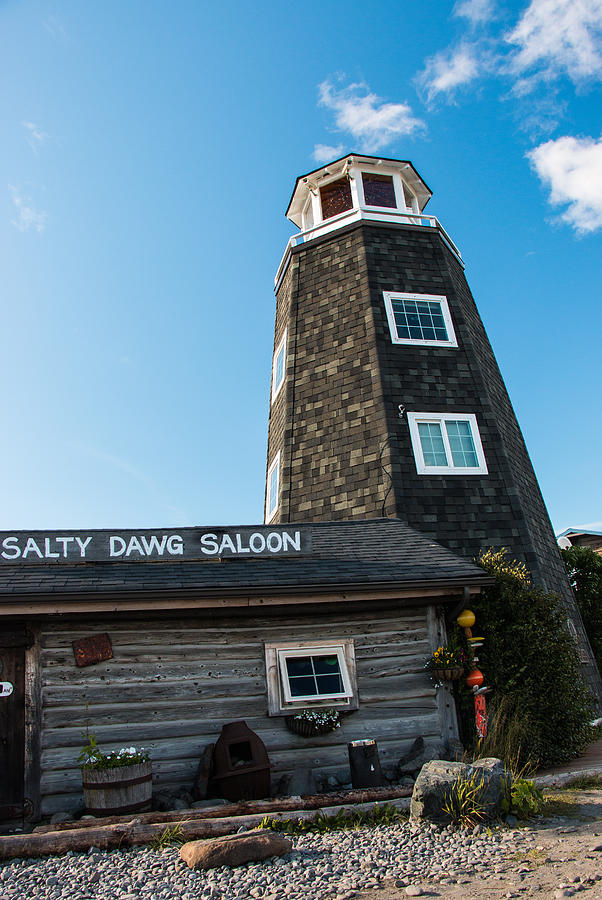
{"x":386,"y":398}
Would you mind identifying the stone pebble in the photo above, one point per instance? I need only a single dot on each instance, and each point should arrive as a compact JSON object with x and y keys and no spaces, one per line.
{"x":334,"y":865}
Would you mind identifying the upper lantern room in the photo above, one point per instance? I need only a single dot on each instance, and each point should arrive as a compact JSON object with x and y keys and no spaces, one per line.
{"x":358,"y":187}
{"x":329,"y":196}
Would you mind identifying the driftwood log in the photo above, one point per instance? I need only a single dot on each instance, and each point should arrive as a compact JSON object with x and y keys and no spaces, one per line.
{"x":135,"y":832}
{"x":243,"y":808}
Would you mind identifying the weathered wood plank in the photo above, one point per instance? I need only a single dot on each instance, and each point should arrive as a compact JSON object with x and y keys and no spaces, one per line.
{"x":33,"y":725}
{"x":179,"y":733}
{"x":253,"y":629}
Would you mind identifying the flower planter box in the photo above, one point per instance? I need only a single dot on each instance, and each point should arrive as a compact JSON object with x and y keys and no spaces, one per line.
{"x":448,"y":674}
{"x":123,"y":789}
{"x":305,"y":728}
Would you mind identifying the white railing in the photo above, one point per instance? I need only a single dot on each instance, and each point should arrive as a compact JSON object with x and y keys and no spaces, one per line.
{"x":355,"y":215}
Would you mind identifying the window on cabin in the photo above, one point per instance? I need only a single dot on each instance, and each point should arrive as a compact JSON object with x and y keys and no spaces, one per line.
{"x":446,"y":444}
{"x":310,"y":673}
{"x":422,"y":319}
{"x":335,"y":198}
{"x":378,"y":190}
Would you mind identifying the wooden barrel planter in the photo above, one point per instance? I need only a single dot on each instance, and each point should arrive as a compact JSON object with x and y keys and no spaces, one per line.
{"x":123,"y":789}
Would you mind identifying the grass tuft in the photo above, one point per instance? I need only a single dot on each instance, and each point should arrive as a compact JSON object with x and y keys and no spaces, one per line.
{"x":171,"y":834}
{"x":345,"y":819}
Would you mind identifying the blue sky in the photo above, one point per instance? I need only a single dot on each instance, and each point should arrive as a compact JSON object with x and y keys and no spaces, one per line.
{"x":148,"y":153}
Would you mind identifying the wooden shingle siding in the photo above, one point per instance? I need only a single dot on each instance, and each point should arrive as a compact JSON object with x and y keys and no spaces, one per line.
{"x":173,"y":684}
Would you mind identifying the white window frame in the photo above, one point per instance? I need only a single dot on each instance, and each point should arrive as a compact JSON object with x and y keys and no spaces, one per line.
{"x":416,"y":418}
{"x":280,"y":700}
{"x":271,"y":512}
{"x":281,"y":348}
{"x":398,"y":193}
{"x":451,"y":341}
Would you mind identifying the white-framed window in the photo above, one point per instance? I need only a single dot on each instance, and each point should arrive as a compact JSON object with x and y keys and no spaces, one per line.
{"x":279,"y":366}
{"x":310,"y":673}
{"x":422,"y":319}
{"x":446,"y":444}
{"x":379,"y":190}
{"x":273,"y":489}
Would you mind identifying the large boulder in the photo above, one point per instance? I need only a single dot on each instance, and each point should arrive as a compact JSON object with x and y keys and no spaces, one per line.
{"x":436,"y":781}
{"x":235,"y":849}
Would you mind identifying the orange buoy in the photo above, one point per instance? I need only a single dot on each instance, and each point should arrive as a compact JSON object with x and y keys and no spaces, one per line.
{"x":475,"y":679}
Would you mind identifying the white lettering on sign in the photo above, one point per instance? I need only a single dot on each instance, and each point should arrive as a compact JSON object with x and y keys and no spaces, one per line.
{"x":38,"y":547}
{"x":65,"y":541}
{"x":146,"y":545}
{"x":83,"y":545}
{"x":6,"y":688}
{"x":116,"y":545}
{"x":175,"y":545}
{"x":274,"y":542}
{"x":209,"y":543}
{"x":11,"y":544}
{"x":32,"y":547}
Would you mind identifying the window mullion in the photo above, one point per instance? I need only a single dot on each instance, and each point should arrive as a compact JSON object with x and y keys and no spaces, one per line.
{"x":446,"y":444}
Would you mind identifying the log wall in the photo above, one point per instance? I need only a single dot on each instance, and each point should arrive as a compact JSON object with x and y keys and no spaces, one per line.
{"x":173,"y":684}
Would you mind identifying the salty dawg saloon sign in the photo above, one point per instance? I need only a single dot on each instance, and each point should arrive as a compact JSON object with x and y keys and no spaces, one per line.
{"x":35,"y":547}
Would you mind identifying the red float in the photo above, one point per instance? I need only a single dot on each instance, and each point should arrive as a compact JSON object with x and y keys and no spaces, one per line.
{"x":475,"y":679}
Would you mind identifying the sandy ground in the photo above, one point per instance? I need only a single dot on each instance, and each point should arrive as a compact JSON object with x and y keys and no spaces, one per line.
{"x":559,"y":859}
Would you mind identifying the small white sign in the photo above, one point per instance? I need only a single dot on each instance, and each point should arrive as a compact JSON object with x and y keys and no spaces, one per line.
{"x":6,"y":688}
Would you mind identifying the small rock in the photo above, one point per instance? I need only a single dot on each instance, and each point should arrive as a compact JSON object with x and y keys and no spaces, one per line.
{"x":511,"y":820}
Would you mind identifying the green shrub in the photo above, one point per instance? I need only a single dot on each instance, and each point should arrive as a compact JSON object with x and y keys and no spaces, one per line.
{"x":526,"y":799}
{"x":584,"y":568}
{"x":530,"y":661}
{"x":344,"y":819}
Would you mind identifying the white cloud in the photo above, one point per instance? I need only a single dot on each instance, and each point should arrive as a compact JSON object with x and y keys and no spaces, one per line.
{"x":27,"y":216}
{"x":323,"y":153}
{"x":367,"y":117}
{"x":557,"y":36}
{"x":476,"y":11}
{"x":34,"y":134}
{"x":448,"y":70}
{"x":572,"y":169}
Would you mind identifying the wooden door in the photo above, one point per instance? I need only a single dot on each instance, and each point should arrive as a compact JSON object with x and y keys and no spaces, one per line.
{"x":12,"y":733}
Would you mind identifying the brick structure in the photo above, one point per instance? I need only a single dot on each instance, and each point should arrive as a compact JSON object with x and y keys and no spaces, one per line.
{"x":341,"y":448}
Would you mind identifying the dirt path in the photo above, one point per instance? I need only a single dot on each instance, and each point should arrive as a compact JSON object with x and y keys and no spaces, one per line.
{"x":561,"y":856}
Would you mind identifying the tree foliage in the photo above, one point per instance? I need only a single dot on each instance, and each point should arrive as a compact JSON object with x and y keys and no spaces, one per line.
{"x":584,"y":568}
{"x":530,"y":660}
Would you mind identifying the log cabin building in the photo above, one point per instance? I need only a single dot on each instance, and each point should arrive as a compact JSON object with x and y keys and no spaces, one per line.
{"x":191,"y":630}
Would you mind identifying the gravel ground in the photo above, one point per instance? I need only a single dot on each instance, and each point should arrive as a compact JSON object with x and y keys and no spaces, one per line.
{"x":337,"y":864}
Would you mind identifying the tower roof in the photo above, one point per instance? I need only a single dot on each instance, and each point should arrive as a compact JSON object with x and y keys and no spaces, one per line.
{"x":339,"y":167}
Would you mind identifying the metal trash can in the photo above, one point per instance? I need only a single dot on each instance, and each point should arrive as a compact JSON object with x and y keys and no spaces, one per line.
{"x":364,"y":764}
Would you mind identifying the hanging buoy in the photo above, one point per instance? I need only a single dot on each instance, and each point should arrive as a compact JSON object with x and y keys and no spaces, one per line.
{"x":466,"y":619}
{"x":475,"y":679}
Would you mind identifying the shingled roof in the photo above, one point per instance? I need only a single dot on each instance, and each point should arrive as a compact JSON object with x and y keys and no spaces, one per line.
{"x":345,"y":556}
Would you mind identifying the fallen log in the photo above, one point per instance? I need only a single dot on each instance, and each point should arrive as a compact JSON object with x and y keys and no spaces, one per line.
{"x":243,"y":807}
{"x":135,"y":833}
